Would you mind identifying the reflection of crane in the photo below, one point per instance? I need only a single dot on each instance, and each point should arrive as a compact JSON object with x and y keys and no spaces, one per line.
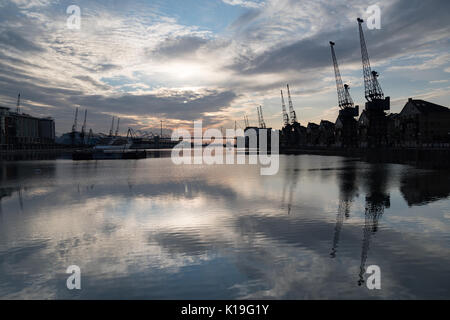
{"x":376,"y":201}
{"x":343,"y":212}
{"x":291,"y":107}
{"x":373,"y":213}
{"x":347,"y":190}
{"x":283,"y":107}
{"x":291,"y":180}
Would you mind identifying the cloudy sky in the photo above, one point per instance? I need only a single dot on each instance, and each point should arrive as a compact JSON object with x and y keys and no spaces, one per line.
{"x":182,"y":60}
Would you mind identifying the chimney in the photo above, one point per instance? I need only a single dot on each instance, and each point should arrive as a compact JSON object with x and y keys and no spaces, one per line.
{"x":410,"y":99}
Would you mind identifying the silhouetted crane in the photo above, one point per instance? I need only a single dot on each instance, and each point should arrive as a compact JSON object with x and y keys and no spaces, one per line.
{"x":344,"y":98}
{"x":246,"y":122}
{"x":292,"y":113}
{"x":112,"y":128}
{"x":117,"y":129}
{"x":18,"y":103}
{"x":372,"y":87}
{"x":283,"y":107}
{"x":262,"y":123}
{"x":83,"y":128}
{"x":74,"y":126}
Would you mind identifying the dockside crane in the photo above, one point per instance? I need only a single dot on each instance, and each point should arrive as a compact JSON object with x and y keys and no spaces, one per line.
{"x":117,"y":129}
{"x":262,"y":123}
{"x":283,"y":107}
{"x":18,"y":103}
{"x":246,"y":122}
{"x":83,"y":128}
{"x":344,"y":98}
{"x":112,"y":128}
{"x":74,"y":126}
{"x":376,"y":104}
{"x":292,"y":113}
{"x":372,"y":88}
{"x":259,"y":117}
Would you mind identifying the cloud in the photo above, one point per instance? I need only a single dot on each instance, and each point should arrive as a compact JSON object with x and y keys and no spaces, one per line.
{"x":122,"y":55}
{"x":244,"y":3}
{"x":178,"y":47}
{"x":13,"y":41}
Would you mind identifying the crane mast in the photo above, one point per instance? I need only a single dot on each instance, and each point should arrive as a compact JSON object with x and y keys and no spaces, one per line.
{"x":259,"y":117}
{"x":74,"y":126}
{"x":83,"y":128}
{"x":291,"y":107}
{"x":18,"y":103}
{"x":372,"y":87}
{"x":344,"y":98}
{"x":285,"y":114}
{"x":246,"y":123}
{"x":117,"y":129}
{"x":112,"y":127}
{"x":262,"y":123}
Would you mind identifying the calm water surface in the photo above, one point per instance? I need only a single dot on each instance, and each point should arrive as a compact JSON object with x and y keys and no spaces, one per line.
{"x":152,"y":230}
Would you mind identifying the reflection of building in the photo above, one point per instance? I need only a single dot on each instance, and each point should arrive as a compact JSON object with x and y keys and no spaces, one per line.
{"x":424,"y":123}
{"x":19,"y":130}
{"x":377,"y":199}
{"x":420,"y":188}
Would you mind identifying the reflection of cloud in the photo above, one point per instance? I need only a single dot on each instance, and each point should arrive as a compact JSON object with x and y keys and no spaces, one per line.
{"x":155,"y":230}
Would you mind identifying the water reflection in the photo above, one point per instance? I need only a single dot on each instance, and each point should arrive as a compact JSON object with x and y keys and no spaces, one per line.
{"x":377,"y":199}
{"x":420,"y":187}
{"x":347,"y":191}
{"x":150,"y":229}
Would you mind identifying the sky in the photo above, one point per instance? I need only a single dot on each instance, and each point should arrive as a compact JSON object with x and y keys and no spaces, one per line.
{"x":214,"y":60}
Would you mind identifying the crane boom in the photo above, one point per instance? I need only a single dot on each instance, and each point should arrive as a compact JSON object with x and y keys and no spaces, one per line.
{"x":372,"y":87}
{"x":285,"y":114}
{"x":344,"y":98}
{"x":291,"y":107}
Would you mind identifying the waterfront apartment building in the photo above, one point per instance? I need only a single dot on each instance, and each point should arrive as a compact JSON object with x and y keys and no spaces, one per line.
{"x":20,"y":130}
{"x":425,"y":124}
